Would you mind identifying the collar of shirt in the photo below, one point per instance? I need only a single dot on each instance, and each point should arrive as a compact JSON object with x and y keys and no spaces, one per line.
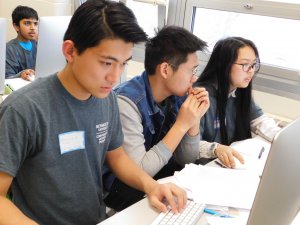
{"x":26,"y":45}
{"x":232,"y":93}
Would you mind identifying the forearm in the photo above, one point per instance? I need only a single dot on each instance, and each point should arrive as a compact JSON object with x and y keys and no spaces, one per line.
{"x":153,"y":160}
{"x":265,"y":126}
{"x":194,"y":131}
{"x":150,"y":161}
{"x":174,"y":136}
{"x":187,"y":150}
{"x":128,"y":171}
{"x":188,"y":118}
{"x":11,"y":215}
{"x":11,"y":74}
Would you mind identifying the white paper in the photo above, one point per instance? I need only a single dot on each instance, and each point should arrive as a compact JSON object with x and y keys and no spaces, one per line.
{"x":240,"y":219}
{"x":252,"y":147}
{"x":16,"y":83}
{"x":218,"y":186}
{"x":226,"y":221}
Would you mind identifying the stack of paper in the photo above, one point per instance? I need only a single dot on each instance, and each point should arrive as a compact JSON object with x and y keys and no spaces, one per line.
{"x":218,"y":186}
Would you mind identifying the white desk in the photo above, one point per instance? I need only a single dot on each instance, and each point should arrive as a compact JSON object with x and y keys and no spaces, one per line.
{"x":141,"y":213}
{"x":13,"y":85}
{"x":16,"y":83}
{"x":2,"y":97}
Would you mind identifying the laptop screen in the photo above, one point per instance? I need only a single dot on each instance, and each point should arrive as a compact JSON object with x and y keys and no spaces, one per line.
{"x":50,"y":58}
{"x":2,"y":53}
{"x":277,"y":200}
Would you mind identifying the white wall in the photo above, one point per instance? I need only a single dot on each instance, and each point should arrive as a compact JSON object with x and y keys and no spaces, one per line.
{"x":279,"y":107}
{"x":43,"y":7}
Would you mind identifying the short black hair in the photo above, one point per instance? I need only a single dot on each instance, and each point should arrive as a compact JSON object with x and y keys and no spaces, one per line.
{"x":96,"y":20}
{"x":23,"y":12}
{"x":171,"y":44}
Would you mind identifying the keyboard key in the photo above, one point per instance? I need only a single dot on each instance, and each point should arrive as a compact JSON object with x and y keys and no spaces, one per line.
{"x":190,"y":215}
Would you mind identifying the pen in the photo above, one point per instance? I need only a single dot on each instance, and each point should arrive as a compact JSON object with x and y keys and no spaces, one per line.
{"x":261,"y":152}
{"x":215,"y":213}
{"x":219,"y":164}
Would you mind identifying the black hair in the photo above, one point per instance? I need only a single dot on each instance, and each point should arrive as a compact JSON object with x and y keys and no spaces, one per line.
{"x":96,"y":20}
{"x":171,"y":44}
{"x":217,"y":72}
{"x":23,"y":12}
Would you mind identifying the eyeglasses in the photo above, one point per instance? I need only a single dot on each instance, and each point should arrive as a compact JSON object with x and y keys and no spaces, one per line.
{"x":247,"y":66}
{"x":195,"y":71}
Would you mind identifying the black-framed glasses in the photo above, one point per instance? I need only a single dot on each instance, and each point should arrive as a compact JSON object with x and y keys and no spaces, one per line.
{"x":247,"y":66}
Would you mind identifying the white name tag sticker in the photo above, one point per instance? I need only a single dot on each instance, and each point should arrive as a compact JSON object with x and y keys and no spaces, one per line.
{"x":71,"y":141}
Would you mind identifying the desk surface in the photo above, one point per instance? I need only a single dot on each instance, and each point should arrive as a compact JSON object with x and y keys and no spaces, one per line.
{"x":141,"y":213}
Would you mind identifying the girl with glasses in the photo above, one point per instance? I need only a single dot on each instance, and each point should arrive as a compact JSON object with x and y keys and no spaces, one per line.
{"x":233,"y":114}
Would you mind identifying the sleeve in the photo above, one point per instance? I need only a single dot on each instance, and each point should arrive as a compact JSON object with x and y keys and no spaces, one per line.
{"x":206,"y":149}
{"x":151,"y":161}
{"x":14,"y":138}
{"x":265,"y":127}
{"x":12,"y":68}
{"x":116,"y":134}
{"x":187,"y":150}
{"x":255,"y":110}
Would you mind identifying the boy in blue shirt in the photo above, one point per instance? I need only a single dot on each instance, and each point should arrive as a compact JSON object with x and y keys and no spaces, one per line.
{"x":21,"y":51}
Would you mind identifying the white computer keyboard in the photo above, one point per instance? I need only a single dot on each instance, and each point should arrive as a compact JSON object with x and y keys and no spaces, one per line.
{"x":189,"y":216}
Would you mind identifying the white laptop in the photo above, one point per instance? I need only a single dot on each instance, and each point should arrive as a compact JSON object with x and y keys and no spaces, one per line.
{"x":3,"y":28}
{"x":277,"y":200}
{"x":49,"y":56}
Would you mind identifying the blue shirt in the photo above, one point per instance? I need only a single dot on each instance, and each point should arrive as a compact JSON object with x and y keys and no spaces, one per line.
{"x":156,"y":120}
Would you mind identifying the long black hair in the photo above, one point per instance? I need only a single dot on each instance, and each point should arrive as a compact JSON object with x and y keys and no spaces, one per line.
{"x":217,"y":72}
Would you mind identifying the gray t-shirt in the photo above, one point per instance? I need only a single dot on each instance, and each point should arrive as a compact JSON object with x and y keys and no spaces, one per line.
{"x":18,"y":59}
{"x":54,"y":146}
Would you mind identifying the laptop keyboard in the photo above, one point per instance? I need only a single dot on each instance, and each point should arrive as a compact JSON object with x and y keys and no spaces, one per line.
{"x":190,"y":215}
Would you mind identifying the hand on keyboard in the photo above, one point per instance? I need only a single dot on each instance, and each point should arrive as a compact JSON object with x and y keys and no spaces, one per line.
{"x":190,"y":215}
{"x":175,"y":197}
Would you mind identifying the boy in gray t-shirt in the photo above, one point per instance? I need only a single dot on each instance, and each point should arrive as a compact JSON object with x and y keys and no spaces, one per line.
{"x":21,"y":51}
{"x":56,"y":132}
